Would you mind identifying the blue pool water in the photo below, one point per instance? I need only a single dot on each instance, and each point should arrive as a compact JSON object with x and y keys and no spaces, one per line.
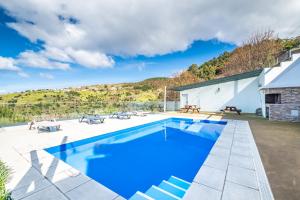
{"x":134,"y":159}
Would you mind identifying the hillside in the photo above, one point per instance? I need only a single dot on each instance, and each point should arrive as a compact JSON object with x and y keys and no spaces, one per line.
{"x":105,"y":98}
{"x":73,"y":100}
{"x":259,"y":51}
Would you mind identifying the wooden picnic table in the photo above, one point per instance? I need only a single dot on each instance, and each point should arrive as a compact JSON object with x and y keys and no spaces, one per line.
{"x":232,"y":109}
{"x":192,"y":108}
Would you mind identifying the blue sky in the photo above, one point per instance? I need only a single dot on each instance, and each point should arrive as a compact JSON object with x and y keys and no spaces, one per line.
{"x":126,"y":69}
{"x":60,"y":43}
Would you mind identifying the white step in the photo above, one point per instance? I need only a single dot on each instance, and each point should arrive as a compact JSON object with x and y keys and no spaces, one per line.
{"x":160,"y":194}
{"x":179,"y":182}
{"x":173,"y":189}
{"x":140,"y":196}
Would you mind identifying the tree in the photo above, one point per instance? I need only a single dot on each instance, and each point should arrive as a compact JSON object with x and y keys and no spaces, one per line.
{"x":194,"y":69}
{"x":210,"y":69}
{"x":184,"y":78}
{"x":260,"y":50}
{"x":179,"y":79}
{"x":291,"y":43}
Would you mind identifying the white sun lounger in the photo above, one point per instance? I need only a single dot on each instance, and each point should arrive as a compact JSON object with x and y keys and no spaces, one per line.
{"x":92,"y":119}
{"x":121,"y":115}
{"x":49,"y":126}
{"x":140,"y":113}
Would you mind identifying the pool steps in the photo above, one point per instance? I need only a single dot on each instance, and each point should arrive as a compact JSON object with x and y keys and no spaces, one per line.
{"x":172,"y":189}
{"x":140,"y":196}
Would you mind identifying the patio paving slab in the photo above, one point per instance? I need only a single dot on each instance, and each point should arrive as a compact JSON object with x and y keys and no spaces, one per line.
{"x":22,"y":176}
{"x":219,"y":151}
{"x":234,"y":191}
{"x":242,"y":151}
{"x":211,"y":177}
{"x":202,"y":192}
{"x":241,"y":161}
{"x":27,"y":190}
{"x":223,"y":143}
{"x":91,"y":190}
{"x":217,"y":162}
{"x":34,"y":155}
{"x":66,"y":181}
{"x":50,"y":193}
{"x":241,"y":144}
{"x":242,"y":176}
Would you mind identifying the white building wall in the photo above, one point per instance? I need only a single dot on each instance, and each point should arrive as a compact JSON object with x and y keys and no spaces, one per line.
{"x":243,"y":94}
{"x":290,"y":77}
{"x":270,"y":74}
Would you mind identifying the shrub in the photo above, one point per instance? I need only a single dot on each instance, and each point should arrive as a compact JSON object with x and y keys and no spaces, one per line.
{"x":4,"y":173}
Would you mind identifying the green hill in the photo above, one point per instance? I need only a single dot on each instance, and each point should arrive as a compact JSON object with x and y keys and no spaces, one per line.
{"x":69,"y":102}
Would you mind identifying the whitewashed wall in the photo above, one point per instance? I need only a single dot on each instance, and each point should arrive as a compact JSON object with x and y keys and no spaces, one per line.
{"x":243,"y":94}
{"x":290,"y":77}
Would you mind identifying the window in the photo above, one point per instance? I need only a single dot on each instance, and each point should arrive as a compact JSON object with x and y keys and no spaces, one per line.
{"x":273,"y":98}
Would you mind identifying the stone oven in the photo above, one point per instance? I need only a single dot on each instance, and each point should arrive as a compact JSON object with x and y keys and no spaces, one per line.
{"x":283,"y":104}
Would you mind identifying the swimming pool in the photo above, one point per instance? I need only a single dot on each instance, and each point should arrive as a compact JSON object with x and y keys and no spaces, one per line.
{"x":136,"y":158}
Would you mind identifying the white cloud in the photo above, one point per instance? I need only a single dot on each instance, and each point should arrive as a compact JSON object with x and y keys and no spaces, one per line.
{"x":39,"y":60}
{"x":23,"y":74}
{"x":46,"y":75}
{"x":55,"y":58}
{"x":90,"y":33}
{"x":55,"y":54}
{"x":90,"y":59}
{"x":8,"y":64}
{"x":140,"y":66}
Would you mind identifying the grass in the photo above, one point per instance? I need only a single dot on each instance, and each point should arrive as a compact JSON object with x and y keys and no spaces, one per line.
{"x":4,"y":174}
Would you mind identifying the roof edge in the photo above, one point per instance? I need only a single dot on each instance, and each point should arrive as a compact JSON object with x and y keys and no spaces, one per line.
{"x":235,"y":77}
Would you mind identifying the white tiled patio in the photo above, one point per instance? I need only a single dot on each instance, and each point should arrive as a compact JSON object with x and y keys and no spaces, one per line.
{"x":233,"y":169}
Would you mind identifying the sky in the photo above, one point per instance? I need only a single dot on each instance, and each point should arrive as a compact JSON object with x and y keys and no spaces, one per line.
{"x":61,"y":43}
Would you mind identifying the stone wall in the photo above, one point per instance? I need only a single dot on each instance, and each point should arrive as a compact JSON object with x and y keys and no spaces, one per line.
{"x":283,"y":112}
{"x":290,"y":104}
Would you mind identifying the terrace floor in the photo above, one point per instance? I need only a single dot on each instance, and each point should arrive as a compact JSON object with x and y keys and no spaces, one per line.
{"x":228,"y":172}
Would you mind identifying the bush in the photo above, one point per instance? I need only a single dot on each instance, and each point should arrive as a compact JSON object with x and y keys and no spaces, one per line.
{"x":142,"y":87}
{"x":4,"y":173}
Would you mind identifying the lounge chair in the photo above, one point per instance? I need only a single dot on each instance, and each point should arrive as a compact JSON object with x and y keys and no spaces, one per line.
{"x":140,"y":113}
{"x":48,"y":126}
{"x":92,"y":119}
{"x":121,"y":115}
